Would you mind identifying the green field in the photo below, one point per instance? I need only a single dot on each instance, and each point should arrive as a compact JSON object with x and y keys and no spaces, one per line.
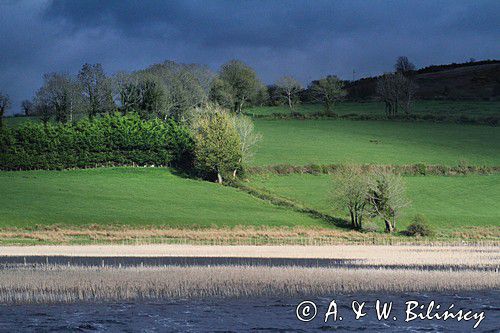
{"x":300,"y":142}
{"x":448,"y":202}
{"x":443,"y":108}
{"x":139,"y":197}
{"x":131,"y":196}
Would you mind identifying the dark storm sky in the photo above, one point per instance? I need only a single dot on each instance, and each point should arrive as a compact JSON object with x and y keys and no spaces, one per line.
{"x":306,"y":39}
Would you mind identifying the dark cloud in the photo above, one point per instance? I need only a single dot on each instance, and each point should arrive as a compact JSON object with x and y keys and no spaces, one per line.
{"x":307,"y":39}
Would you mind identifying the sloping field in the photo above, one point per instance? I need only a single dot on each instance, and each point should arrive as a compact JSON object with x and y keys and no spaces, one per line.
{"x":131,"y":196}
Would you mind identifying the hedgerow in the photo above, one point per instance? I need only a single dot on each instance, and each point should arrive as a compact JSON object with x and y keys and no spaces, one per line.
{"x":107,"y":140}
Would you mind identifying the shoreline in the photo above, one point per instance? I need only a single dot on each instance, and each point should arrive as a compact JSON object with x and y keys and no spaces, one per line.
{"x":405,"y":255}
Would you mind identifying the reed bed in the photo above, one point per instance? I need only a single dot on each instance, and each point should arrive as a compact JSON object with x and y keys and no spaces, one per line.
{"x":479,"y":257}
{"x":51,"y":284}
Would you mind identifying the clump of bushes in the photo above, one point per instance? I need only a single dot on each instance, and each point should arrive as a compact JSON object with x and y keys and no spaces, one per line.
{"x":420,"y":227}
{"x":108,"y":140}
{"x":368,"y":195}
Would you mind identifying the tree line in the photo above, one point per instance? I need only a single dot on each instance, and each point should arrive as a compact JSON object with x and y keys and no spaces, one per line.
{"x":170,"y":89}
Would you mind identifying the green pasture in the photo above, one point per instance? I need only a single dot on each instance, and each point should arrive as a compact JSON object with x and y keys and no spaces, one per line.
{"x":131,"y":196}
{"x":435,"y":107}
{"x":301,"y":142}
{"x":448,"y":202}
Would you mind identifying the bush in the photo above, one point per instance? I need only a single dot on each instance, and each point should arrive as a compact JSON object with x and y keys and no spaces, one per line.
{"x":218,"y":147}
{"x":109,"y":140}
{"x":419,"y":227}
{"x":370,"y":226}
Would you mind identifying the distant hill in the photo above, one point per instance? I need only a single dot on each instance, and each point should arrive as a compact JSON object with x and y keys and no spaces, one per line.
{"x":469,"y":81}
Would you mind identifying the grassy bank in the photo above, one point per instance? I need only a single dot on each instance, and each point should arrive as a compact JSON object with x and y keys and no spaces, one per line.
{"x":375,"y":142}
{"x":133,"y":197}
{"x":152,"y":205}
{"x":450,"y":203}
{"x":72,"y":284}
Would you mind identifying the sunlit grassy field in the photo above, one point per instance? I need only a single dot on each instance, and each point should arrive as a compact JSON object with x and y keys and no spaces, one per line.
{"x":300,"y":142}
{"x":448,"y":202}
{"x":443,"y":108}
{"x":131,"y":196}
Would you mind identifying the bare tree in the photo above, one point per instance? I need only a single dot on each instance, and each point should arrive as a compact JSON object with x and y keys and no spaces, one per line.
{"x":4,"y":105}
{"x":387,"y":198}
{"x":403,"y":65}
{"x":27,"y":107}
{"x":351,"y":187}
{"x":328,"y":91}
{"x":396,"y":91}
{"x":287,"y":90}
{"x":248,"y":137}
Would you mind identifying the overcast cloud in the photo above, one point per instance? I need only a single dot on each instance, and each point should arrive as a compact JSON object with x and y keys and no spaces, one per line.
{"x":306,"y":39}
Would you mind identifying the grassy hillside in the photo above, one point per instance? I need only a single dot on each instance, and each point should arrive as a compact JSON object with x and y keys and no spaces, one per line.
{"x":448,"y":202}
{"x":341,"y":141}
{"x":131,"y":196}
{"x":435,"y":107}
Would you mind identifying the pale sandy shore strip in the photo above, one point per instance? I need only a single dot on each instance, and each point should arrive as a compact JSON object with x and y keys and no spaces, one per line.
{"x":372,"y":254}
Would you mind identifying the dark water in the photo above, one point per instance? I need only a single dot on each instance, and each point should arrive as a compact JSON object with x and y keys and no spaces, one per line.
{"x":247,"y":315}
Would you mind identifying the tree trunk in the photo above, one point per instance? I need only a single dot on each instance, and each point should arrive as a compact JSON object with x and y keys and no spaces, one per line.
{"x":388,"y":226}
{"x":219,"y":178}
{"x":353,"y":221}
{"x":289,"y":102}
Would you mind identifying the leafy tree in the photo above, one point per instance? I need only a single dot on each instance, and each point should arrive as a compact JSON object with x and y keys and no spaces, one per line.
{"x":4,"y":105}
{"x":59,"y":97}
{"x":220,"y":93}
{"x":185,"y":86}
{"x":152,"y":98}
{"x":328,"y":91}
{"x":403,"y":65}
{"x":387,"y":198}
{"x":96,"y":90}
{"x":262,"y":97}
{"x":288,"y":90}
{"x":242,"y":82}
{"x":217,"y":143}
{"x":351,"y":193}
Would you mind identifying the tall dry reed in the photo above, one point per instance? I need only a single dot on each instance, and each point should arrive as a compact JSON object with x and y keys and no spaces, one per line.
{"x":72,"y":284}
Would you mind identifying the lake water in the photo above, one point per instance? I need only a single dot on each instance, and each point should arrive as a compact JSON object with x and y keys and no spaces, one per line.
{"x":248,"y":315}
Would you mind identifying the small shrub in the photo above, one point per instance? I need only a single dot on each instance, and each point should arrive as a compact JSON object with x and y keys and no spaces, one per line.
{"x":370,"y":226}
{"x":421,"y":169}
{"x":420,"y":227}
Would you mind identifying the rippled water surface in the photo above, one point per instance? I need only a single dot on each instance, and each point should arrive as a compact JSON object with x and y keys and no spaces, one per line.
{"x":245,"y":315}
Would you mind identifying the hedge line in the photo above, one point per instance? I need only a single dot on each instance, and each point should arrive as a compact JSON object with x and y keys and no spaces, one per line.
{"x":109,"y":140}
{"x":406,"y":170}
{"x":491,"y":121}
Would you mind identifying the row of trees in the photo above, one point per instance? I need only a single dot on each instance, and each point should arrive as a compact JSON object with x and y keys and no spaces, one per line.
{"x":170,"y":89}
